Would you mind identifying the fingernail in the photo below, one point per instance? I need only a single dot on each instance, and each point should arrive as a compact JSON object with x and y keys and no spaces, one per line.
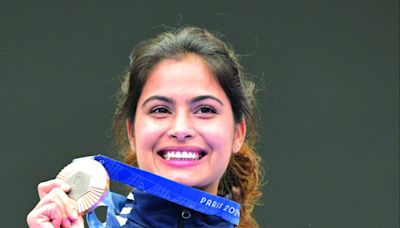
{"x":65,"y":186}
{"x":75,"y":213}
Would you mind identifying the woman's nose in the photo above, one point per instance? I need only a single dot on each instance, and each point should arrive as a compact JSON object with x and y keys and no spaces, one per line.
{"x":181,"y":127}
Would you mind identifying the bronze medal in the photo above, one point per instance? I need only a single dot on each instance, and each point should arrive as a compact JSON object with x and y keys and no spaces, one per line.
{"x":89,"y":183}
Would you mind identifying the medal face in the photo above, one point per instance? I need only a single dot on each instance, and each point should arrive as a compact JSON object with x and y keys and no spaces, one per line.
{"x":89,"y":183}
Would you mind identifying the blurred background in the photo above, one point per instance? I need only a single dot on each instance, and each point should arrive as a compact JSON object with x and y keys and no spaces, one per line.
{"x":328,"y":73}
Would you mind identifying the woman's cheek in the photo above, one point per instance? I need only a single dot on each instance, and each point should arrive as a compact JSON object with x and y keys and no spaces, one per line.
{"x":149,"y":131}
{"x":216,"y":135}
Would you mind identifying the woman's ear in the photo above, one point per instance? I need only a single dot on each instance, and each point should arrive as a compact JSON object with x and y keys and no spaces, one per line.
{"x":129,"y":132}
{"x":240,"y":135}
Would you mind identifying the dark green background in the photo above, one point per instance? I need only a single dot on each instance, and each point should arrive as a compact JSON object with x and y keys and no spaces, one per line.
{"x":329,"y":104}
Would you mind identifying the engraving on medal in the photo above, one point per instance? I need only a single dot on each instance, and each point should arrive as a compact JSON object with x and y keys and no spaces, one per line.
{"x":89,"y":182}
{"x":79,"y":183}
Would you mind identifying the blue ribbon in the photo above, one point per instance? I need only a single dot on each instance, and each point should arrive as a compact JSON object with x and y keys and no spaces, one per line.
{"x":169,"y":190}
{"x":113,"y":202}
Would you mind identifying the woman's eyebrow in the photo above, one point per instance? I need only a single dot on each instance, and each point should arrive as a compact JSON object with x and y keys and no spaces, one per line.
{"x":204,"y":97}
{"x":157,"y":97}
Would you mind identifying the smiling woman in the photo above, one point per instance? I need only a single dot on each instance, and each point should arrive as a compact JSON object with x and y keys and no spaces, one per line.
{"x":185,"y":114}
{"x":188,"y":110}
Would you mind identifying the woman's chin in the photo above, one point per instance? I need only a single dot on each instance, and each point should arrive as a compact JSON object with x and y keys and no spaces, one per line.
{"x":190,"y":182}
{"x":182,"y":179}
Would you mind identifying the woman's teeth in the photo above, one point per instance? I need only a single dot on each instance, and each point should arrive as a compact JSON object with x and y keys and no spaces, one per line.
{"x":184,"y":155}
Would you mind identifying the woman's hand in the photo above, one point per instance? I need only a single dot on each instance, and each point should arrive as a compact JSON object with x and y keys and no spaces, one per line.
{"x":55,"y":209}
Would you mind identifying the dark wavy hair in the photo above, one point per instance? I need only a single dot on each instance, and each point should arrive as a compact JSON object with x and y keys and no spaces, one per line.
{"x":242,"y":178}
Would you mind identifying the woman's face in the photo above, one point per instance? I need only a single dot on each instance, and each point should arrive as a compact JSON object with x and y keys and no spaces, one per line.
{"x":184,"y":128}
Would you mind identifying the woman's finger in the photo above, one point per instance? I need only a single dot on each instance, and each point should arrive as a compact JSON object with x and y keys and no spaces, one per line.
{"x":59,"y":197}
{"x":77,"y":223}
{"x":48,"y":215}
{"x":45,"y":187}
{"x":55,"y":208}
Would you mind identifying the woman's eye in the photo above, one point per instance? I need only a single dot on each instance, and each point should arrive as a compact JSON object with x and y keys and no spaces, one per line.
{"x":206,"y":110}
{"x":159,"y":110}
